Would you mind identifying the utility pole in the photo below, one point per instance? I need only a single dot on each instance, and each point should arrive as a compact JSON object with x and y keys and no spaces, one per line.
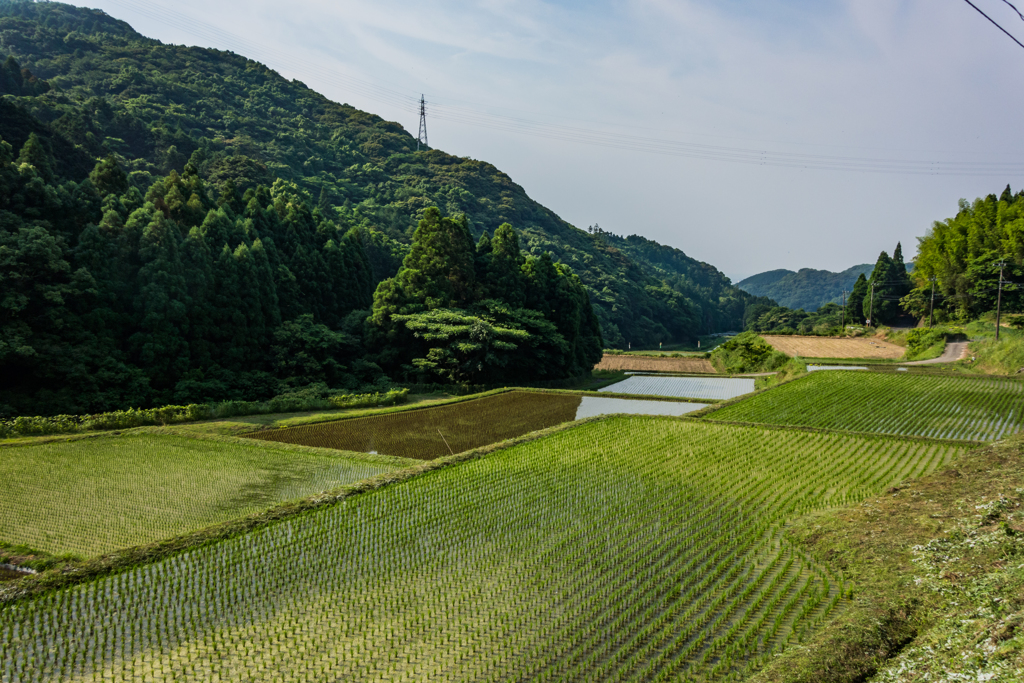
{"x":422,"y":137}
{"x":931,"y":306}
{"x":871,"y":305}
{"x":999,"y":299}
{"x":843,"y":330}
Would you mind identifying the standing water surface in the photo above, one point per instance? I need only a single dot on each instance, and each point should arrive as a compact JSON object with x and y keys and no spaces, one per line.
{"x":435,"y":432}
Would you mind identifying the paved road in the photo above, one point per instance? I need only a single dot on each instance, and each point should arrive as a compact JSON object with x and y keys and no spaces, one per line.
{"x":954,"y":351}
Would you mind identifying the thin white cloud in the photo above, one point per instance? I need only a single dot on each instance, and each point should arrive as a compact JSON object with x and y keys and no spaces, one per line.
{"x":880,"y":78}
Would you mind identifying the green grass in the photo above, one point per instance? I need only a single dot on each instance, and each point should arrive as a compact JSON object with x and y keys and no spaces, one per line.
{"x":945,"y":407}
{"x":940,"y":583}
{"x":437,"y":431}
{"x":1004,"y":357}
{"x":90,"y":496}
{"x":628,"y":548}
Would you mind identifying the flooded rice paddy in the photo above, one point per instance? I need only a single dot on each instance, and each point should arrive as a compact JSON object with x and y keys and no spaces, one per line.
{"x":594,"y":405}
{"x":435,"y":432}
{"x":708,"y":388}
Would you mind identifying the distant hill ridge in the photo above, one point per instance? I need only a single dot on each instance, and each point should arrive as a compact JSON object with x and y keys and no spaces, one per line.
{"x":807,"y":288}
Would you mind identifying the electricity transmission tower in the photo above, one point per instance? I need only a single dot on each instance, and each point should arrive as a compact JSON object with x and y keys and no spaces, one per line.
{"x":422,"y":138}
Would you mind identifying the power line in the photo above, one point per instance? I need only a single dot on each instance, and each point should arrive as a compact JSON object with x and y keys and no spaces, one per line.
{"x":571,"y":134}
{"x":757,"y":157}
{"x":1014,"y":9}
{"x":994,"y":21}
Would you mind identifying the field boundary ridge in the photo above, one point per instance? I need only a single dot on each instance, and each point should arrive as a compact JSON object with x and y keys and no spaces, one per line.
{"x":844,"y":432}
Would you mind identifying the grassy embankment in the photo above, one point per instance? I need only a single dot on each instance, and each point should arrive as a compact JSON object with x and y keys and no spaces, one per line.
{"x":1005,"y":357}
{"x":937,"y":565}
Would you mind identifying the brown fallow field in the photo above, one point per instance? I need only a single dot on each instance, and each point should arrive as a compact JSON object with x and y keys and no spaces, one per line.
{"x":652,"y":364}
{"x":828,"y":347}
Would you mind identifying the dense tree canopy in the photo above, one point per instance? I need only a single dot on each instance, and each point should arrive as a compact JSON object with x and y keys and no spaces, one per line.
{"x":963,"y":254}
{"x":482,"y":313}
{"x":112,"y":297}
{"x":888,"y":284}
{"x":99,"y":90}
{"x":182,"y":224}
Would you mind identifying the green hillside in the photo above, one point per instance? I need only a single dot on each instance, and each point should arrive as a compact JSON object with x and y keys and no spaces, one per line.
{"x":808,"y":289}
{"x":90,"y":86}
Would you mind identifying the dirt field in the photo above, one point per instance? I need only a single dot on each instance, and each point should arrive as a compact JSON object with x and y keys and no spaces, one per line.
{"x":649,"y":364}
{"x":825,"y":347}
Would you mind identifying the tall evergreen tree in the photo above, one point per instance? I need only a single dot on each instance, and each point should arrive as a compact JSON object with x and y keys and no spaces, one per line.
{"x":265,"y":283}
{"x":161,"y":344}
{"x":874,"y":307}
{"x":197,"y":259}
{"x":231,"y":319}
{"x":439,"y":270}
{"x":505,"y":267}
{"x":36,"y":155}
{"x":855,"y":301}
{"x":109,"y":178}
{"x":901,"y":284}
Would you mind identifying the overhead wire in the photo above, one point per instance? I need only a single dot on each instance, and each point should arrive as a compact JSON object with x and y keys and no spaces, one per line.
{"x":994,"y":22}
{"x":760,"y":157}
{"x":572,"y":134}
{"x":1014,"y":9}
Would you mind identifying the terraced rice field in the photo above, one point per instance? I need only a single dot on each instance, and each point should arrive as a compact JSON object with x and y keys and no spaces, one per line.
{"x":96,"y":495}
{"x":632,"y":549}
{"x":708,"y":388}
{"x":431,"y":433}
{"x":975,"y":409}
{"x":826,"y":347}
{"x":654,"y":364}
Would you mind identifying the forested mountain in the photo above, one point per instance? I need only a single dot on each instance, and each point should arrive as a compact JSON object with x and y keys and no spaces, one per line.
{"x":963,"y":254}
{"x":155,"y":105}
{"x":876,"y":299}
{"x":185,"y":224}
{"x":806,"y":289}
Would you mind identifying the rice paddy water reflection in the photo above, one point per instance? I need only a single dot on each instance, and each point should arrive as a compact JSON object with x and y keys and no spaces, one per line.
{"x":713,"y":388}
{"x":430,"y":433}
{"x":594,"y":405}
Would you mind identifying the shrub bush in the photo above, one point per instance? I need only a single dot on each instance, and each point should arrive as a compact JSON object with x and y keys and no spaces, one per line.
{"x":311,"y":398}
{"x":747,"y":352}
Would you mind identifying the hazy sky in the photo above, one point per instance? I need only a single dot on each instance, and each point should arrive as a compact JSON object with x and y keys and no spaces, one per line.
{"x":624,"y":113}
